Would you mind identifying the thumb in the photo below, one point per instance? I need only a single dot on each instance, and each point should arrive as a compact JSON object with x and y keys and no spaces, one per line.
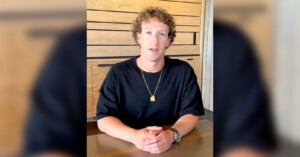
{"x":154,"y":128}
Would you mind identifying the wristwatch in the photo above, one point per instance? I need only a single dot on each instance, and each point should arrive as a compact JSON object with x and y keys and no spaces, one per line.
{"x":177,"y":136}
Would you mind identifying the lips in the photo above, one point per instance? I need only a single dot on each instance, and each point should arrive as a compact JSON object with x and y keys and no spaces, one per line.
{"x":153,"y":49}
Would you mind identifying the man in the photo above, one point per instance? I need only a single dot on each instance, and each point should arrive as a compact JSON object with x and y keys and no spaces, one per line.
{"x":146,"y":92}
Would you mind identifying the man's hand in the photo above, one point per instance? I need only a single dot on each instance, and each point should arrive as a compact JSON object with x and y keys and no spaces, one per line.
{"x":145,"y":136}
{"x":153,"y":139}
{"x":159,"y":143}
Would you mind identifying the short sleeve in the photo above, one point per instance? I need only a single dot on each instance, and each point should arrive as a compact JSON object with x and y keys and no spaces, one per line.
{"x":108,"y":99}
{"x":191,"y":100}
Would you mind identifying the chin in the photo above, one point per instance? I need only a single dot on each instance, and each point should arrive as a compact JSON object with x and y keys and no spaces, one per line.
{"x":155,"y":59}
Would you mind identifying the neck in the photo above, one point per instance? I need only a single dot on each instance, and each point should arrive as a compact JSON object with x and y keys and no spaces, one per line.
{"x":150,"y":66}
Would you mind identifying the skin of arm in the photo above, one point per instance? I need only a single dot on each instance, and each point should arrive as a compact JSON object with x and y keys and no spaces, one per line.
{"x":186,"y":124}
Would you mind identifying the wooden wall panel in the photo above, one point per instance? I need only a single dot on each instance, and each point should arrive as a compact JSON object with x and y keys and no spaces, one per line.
{"x":127,"y":18}
{"x":123,"y":51}
{"x":124,"y":38}
{"x":173,"y":7}
{"x":108,"y":16}
{"x":198,"y":38}
{"x":90,"y":107}
{"x":109,"y":26}
{"x":186,"y":1}
{"x":196,"y":63}
{"x":128,"y":27}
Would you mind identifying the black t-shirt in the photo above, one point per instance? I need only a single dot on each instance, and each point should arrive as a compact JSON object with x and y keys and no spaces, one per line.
{"x":124,"y":94}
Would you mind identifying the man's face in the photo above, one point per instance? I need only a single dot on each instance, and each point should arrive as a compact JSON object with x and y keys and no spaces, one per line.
{"x":153,"y":40}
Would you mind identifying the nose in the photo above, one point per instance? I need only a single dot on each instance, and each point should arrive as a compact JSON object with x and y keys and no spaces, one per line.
{"x":155,"y":39}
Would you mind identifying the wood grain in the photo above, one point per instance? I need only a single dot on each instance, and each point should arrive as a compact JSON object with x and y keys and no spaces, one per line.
{"x":95,"y":37}
{"x":121,"y":17}
{"x":173,"y":7}
{"x":128,"y":27}
{"x":123,"y":51}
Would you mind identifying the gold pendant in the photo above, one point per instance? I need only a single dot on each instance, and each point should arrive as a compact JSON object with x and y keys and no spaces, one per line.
{"x":152,"y":98}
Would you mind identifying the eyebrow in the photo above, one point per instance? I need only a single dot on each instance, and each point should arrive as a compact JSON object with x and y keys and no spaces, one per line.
{"x":159,"y":30}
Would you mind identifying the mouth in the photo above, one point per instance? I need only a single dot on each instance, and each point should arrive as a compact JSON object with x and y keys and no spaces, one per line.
{"x":153,"y":50}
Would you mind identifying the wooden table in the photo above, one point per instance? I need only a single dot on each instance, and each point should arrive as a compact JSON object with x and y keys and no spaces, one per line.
{"x":196,"y":144}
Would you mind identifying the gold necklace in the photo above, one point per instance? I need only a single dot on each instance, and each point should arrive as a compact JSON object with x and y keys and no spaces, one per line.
{"x":152,"y":96}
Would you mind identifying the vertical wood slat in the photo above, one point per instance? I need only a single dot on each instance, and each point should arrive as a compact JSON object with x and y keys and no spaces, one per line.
{"x":90,"y":107}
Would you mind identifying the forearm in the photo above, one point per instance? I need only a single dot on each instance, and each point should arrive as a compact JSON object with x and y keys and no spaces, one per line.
{"x":114,"y":127}
{"x":186,"y":123}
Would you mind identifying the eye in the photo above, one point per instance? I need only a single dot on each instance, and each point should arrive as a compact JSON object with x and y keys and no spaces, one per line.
{"x":148,"y":32}
{"x":162,"y":34}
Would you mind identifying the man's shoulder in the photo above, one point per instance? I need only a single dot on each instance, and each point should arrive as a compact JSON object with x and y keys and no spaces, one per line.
{"x":177,"y":63}
{"x":123,"y":65}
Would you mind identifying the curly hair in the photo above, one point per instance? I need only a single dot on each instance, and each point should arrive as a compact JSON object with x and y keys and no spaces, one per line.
{"x":157,"y":12}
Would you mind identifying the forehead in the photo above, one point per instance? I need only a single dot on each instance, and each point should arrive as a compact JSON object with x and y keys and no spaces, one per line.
{"x":154,"y":23}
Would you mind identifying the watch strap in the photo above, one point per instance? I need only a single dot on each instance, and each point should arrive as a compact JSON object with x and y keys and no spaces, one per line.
{"x":176,"y":134}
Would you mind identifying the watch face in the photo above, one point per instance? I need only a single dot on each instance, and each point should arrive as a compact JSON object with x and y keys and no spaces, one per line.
{"x":177,"y":135}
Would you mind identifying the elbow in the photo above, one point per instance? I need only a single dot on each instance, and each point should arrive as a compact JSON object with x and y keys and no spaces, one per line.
{"x":193,"y":119}
{"x":101,"y":125}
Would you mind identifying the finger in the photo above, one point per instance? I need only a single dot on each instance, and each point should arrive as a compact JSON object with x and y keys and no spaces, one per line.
{"x":149,"y":141}
{"x":150,"y":135}
{"x":157,"y":151}
{"x":147,"y":148}
{"x":155,"y":146}
{"x":151,"y":148}
{"x":157,"y":128}
{"x":154,"y":132}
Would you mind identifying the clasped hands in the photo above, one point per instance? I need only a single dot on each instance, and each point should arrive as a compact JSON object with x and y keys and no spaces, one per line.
{"x":153,"y":139}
